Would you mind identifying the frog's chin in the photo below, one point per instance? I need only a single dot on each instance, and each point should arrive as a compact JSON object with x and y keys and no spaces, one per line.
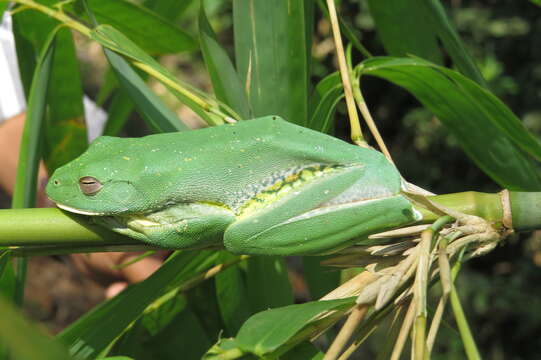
{"x":79,"y":211}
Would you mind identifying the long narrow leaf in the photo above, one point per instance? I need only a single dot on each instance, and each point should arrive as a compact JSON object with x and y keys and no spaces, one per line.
{"x":415,"y":27}
{"x":487,"y":130}
{"x":24,"y":194}
{"x":150,"y":107}
{"x":25,"y":189}
{"x":326,"y":96}
{"x":65,"y":131}
{"x":272,"y":44}
{"x":225,"y":80}
{"x":91,"y":334}
{"x":392,"y":17}
{"x":234,"y":309}
{"x":147,"y":29}
{"x":198,"y":101}
{"x":118,"y":112}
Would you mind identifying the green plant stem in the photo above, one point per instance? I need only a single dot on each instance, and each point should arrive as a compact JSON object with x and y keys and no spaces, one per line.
{"x":53,"y":227}
{"x":465,"y":333}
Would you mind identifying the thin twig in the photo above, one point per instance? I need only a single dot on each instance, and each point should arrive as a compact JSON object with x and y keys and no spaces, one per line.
{"x":353,"y":320}
{"x":356,"y":133}
{"x":368,"y":119}
{"x":403,"y":335}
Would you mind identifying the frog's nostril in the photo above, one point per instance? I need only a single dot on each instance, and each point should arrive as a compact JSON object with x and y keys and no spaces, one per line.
{"x":56,"y":182}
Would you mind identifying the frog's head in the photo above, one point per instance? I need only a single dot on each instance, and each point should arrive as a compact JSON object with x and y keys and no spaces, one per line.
{"x":100,"y":182}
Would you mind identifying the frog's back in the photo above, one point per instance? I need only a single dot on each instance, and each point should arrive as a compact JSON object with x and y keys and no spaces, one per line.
{"x":229,"y":164}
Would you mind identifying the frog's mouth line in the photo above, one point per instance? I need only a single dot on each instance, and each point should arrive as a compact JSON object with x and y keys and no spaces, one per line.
{"x":78,"y":211}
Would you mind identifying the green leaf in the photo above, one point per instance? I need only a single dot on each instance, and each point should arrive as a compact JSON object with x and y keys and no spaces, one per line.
{"x":266,"y":331}
{"x":225,"y":80}
{"x":65,"y":132}
{"x":234,"y":309}
{"x":158,"y":116}
{"x":23,"y":340}
{"x":30,"y":30}
{"x":272,"y":44}
{"x":414,"y":28}
{"x":3,"y":6}
{"x":485,"y":128}
{"x":168,"y":9}
{"x":320,"y":279}
{"x":184,"y":333}
{"x":326,"y":97}
{"x":148,"y":30}
{"x":162,"y":331}
{"x":305,"y":351}
{"x":392,"y":17}
{"x":267,"y":283}
{"x":30,"y":149}
{"x":198,"y":101}
{"x":118,"y":113}
{"x":98,"y":328}
{"x":66,"y":136}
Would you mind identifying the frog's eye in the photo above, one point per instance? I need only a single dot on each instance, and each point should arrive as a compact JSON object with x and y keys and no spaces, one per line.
{"x":89,"y":185}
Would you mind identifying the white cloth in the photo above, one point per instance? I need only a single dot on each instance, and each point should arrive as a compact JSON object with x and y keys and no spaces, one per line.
{"x":12,"y":101}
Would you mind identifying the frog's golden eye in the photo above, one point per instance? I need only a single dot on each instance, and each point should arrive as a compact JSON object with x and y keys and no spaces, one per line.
{"x":89,"y":185}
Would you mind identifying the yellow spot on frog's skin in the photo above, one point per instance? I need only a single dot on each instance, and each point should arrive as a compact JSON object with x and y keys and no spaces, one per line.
{"x":283,"y":186}
{"x":242,"y":150}
{"x":126,"y":158}
{"x":188,"y":159}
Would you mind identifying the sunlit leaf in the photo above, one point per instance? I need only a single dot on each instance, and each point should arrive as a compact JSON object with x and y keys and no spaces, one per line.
{"x":272,"y":50}
{"x":486,"y":129}
{"x":225,"y":81}
{"x":151,"y":32}
{"x":264,"y":332}
{"x":149,"y":106}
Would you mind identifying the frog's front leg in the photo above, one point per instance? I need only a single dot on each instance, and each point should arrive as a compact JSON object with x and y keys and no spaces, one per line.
{"x":307,"y":222}
{"x":179,"y":226}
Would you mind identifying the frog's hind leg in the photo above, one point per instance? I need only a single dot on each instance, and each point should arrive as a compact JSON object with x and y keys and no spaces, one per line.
{"x":305,"y":222}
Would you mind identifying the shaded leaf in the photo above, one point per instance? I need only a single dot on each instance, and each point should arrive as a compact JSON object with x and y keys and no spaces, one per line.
{"x":325,"y":98}
{"x":98,"y":328}
{"x":267,"y":283}
{"x":168,"y":9}
{"x":23,"y":340}
{"x":320,"y":279}
{"x":234,"y":309}
{"x":487,"y":130}
{"x":392,"y":17}
{"x":305,"y":351}
{"x":414,"y":28}
{"x":66,"y":136}
{"x":30,"y":149}
{"x":118,"y":113}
